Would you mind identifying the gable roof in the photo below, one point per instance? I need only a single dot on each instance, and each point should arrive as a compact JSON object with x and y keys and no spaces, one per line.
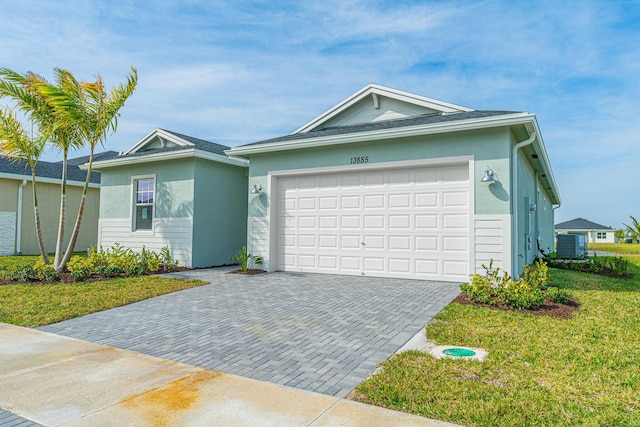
{"x":51,"y":171}
{"x":376,"y":92}
{"x":77,"y":161}
{"x":162,"y":144}
{"x":580,"y":224}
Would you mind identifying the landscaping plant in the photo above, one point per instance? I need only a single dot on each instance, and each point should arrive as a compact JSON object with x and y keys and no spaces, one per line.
{"x":245,"y":260}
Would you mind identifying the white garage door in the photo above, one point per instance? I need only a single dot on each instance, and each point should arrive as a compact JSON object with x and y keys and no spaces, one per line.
{"x":410,"y":223}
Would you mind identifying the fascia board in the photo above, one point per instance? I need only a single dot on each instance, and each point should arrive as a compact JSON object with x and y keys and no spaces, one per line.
{"x":423,"y":101}
{"x":158,"y":132}
{"x":46,"y":180}
{"x":401,"y":132}
{"x":408,"y":97}
{"x":546,"y":165}
{"x":156,"y":157}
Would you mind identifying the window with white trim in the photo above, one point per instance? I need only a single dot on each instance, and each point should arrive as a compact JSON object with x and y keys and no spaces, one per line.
{"x":601,"y":235}
{"x":144,"y":200}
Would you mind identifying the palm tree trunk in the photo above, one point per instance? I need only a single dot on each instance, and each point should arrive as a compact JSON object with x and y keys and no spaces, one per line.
{"x":76,"y":226}
{"x":36,"y":216}
{"x":63,"y":206}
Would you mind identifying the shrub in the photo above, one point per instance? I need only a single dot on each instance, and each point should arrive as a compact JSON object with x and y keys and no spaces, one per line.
{"x":23,"y":273}
{"x":536,"y":274}
{"x":494,"y":287}
{"x":135,"y":270}
{"x":109,"y":270}
{"x":169,"y":262}
{"x":245,"y":259}
{"x":561,"y":296}
{"x":80,"y":274}
{"x":45,"y":271}
{"x":78,"y":262}
{"x":521,"y":294}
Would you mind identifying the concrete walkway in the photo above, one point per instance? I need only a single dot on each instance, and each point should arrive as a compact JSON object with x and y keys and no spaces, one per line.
{"x":317,"y":332}
{"x":53,"y":380}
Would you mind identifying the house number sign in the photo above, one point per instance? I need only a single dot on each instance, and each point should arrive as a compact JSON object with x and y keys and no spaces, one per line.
{"x":359,"y":160}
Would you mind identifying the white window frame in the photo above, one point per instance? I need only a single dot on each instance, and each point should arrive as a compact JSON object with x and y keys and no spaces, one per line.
{"x":134,"y":203}
{"x":601,"y":235}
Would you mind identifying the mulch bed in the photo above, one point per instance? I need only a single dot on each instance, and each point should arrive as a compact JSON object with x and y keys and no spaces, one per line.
{"x":66,"y":278}
{"x":249,"y":272}
{"x":549,"y":308}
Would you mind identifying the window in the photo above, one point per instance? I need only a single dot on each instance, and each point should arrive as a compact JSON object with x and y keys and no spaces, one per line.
{"x":144,"y":198}
{"x":601,"y":235}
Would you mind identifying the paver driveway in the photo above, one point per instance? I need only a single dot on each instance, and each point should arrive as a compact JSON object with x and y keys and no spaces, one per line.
{"x":317,"y":332}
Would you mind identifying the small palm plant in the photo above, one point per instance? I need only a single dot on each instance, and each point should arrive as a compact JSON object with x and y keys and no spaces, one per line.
{"x":246,"y":260}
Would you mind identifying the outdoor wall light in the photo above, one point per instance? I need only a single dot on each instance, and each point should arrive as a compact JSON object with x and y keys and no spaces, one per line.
{"x":488,"y":176}
{"x":257,"y":189}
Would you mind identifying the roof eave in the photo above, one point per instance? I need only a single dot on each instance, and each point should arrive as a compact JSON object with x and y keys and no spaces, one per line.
{"x":379,"y":134}
{"x":46,"y":180}
{"x":157,"y":157}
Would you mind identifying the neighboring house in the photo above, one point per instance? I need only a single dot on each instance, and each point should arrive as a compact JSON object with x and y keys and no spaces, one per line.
{"x":595,"y":233}
{"x":392,"y":184}
{"x":178,"y":191}
{"x":17,"y":229}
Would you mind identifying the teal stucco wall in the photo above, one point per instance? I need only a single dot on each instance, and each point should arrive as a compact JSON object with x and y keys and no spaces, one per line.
{"x":174,"y":189}
{"x":489,"y":147}
{"x":220,"y":222}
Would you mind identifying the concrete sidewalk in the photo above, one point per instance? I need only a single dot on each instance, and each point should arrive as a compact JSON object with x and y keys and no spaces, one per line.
{"x":54,"y":380}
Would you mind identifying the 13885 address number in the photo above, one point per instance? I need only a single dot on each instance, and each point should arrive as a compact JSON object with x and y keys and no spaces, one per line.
{"x":359,"y":159}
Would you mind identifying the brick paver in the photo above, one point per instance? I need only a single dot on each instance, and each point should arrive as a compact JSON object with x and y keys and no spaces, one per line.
{"x":317,"y":332}
{"x":7,"y":419}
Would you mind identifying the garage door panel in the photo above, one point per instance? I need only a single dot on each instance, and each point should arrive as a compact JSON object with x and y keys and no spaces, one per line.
{"x":426,"y":200}
{"x":454,"y":198}
{"x":350,"y":202}
{"x":396,"y":223}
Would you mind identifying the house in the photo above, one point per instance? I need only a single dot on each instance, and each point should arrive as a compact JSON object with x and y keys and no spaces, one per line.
{"x":594,"y":233}
{"x":174,"y":190}
{"x":17,"y":229}
{"x":392,"y":184}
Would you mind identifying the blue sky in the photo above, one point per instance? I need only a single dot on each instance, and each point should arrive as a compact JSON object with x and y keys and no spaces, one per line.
{"x":239,"y":72}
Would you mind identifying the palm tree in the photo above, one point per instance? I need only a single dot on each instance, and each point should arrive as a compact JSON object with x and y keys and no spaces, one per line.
{"x":634,"y":230}
{"x":70,"y":114}
{"x":96,"y":115}
{"x":16,"y":145}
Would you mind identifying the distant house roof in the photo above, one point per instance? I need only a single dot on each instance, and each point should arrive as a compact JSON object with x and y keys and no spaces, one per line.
{"x":53,"y":170}
{"x":425,"y":119}
{"x":580,"y":224}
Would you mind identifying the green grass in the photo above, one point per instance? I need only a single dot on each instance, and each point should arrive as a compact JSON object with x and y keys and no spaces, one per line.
{"x":37,"y":304}
{"x":540,"y":371}
{"x":616,"y":248}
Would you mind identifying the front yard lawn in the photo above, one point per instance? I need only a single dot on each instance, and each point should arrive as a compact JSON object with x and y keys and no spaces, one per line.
{"x":40,"y":304}
{"x":616,"y":248}
{"x":540,"y":371}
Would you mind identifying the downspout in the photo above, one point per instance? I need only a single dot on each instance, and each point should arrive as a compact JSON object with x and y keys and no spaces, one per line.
{"x":514,"y":202}
{"x":19,"y":219}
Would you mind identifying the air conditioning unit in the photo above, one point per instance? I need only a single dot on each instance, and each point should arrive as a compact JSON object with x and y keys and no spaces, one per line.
{"x":571,"y":246}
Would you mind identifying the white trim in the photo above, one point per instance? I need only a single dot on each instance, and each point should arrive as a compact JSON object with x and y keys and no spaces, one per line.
{"x":373,"y":135}
{"x":161,"y":134}
{"x":45,"y":180}
{"x":272,"y":186}
{"x":133,"y":198}
{"x":172,"y":155}
{"x":374,"y":89}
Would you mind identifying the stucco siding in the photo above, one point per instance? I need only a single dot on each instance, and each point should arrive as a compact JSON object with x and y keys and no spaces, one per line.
{"x":220,"y":212}
{"x":49,"y":208}
{"x":546,"y":218}
{"x":9,"y":194}
{"x":526,"y":225}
